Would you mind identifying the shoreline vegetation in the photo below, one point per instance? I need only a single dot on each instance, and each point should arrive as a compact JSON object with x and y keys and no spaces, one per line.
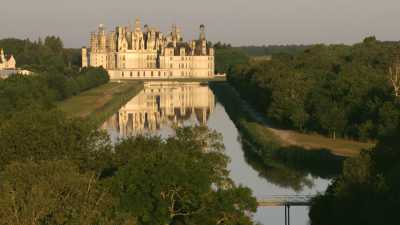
{"x":261,"y":132}
{"x":99,"y":103}
{"x":265,"y":147}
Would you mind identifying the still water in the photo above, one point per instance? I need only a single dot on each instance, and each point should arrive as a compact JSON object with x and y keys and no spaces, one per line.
{"x":160,"y":106}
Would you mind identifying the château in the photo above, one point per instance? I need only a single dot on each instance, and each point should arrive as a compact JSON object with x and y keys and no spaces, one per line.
{"x":136,"y":53}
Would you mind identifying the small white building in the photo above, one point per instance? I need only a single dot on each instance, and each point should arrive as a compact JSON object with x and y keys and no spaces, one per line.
{"x":7,"y":66}
{"x":5,"y":63}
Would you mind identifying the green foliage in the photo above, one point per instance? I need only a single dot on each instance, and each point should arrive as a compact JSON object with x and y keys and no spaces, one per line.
{"x":367,"y":192}
{"x":52,"y":192}
{"x":226,"y":58}
{"x":285,"y":166}
{"x":19,"y":92}
{"x":335,"y":90}
{"x":56,"y":170}
{"x":273,"y":49}
{"x":182,"y":180}
{"x":48,"y":135}
{"x":47,"y":55}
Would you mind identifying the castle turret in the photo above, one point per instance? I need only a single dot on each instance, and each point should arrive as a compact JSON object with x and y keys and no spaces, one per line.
{"x":138,"y":25}
{"x":111,"y":42}
{"x":203,"y":41}
{"x":2,"y":56}
{"x":84,"y":57}
{"x":93,"y":42}
{"x":102,"y":38}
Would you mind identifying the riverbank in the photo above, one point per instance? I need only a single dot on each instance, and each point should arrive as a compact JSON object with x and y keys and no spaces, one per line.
{"x":261,"y":131}
{"x":99,"y":103}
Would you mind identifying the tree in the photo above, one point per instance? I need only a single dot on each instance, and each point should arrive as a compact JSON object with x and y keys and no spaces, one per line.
{"x":368,"y":190}
{"x":182,"y":180}
{"x":52,"y":192}
{"x":48,"y":135}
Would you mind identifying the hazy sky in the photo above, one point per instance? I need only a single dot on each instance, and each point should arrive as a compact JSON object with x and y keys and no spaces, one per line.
{"x":240,"y":22}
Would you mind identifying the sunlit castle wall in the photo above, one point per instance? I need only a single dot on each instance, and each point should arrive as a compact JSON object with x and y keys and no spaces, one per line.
{"x":136,"y":53}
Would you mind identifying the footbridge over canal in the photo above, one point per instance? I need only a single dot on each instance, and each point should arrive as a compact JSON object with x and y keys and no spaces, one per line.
{"x":286,"y":201}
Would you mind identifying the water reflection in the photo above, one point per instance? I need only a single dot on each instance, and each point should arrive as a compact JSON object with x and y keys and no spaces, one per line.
{"x":162,"y":105}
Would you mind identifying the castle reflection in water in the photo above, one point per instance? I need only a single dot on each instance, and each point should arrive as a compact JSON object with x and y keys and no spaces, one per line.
{"x":161,"y":106}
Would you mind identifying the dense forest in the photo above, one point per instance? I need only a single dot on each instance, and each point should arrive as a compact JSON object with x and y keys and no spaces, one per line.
{"x":272,"y":49}
{"x":367,"y":192}
{"x":56,"y":170}
{"x":336,"y":90}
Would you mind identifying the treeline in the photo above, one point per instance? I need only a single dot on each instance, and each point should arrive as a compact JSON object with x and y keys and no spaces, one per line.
{"x":273,"y":49}
{"x":367,"y":192}
{"x":42,"y":90}
{"x":227,"y":57}
{"x":335,"y":90}
{"x":46,"y":54}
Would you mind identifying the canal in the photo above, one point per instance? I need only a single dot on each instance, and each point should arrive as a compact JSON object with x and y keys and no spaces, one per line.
{"x":161,"y":106}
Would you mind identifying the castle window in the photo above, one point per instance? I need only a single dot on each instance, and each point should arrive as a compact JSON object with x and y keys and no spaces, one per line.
{"x":138,"y":74}
{"x":122,"y":74}
{"x":151,"y":73}
{"x":159,"y":73}
{"x":131,"y":74}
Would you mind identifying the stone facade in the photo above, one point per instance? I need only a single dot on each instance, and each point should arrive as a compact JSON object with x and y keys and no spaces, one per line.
{"x":149,"y":54}
{"x":6,"y":64}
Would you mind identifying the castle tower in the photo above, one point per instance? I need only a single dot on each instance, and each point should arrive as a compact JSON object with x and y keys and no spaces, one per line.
{"x":84,"y":57}
{"x":93,"y":42}
{"x":174,"y":35}
{"x":102,"y":38}
{"x":111,"y":42}
{"x":138,"y":26}
{"x":203,"y":41}
{"x":2,"y":56}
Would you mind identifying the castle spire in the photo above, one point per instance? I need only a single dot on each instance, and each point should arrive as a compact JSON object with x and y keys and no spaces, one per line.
{"x":202,"y":32}
{"x":137,"y":25}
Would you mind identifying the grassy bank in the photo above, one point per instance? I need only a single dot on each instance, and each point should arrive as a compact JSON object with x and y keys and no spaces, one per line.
{"x":100,"y":103}
{"x":261,"y":131}
{"x":281,"y":148}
